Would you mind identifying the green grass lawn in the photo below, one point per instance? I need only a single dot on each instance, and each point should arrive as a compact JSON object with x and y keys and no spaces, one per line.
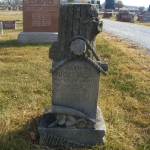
{"x":25,"y":89}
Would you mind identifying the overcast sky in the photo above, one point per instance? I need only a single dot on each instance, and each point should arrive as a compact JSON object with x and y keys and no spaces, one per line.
{"x":144,"y":3}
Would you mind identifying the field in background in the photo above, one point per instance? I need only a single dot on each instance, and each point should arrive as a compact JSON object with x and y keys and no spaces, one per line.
{"x":25,"y":88}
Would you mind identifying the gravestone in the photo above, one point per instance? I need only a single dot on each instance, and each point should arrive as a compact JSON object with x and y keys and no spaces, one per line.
{"x":120,"y":14}
{"x":126,"y":18}
{"x":139,"y":17}
{"x":132,"y":19}
{"x":146,"y":17}
{"x":8,"y":24}
{"x":40,"y":21}
{"x":74,"y":119}
{"x":107,"y":15}
{"x":1,"y":28}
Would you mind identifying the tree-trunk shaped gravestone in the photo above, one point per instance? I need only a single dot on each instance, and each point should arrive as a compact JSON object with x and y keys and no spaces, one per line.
{"x":74,"y":119}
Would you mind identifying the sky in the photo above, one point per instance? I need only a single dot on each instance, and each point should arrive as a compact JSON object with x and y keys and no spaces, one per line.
{"x":144,"y":3}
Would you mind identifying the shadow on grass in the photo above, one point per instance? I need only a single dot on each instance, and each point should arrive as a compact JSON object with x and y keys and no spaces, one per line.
{"x":15,"y":43}
{"x":27,"y":138}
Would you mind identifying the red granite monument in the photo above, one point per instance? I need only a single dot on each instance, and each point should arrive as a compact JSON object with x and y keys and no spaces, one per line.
{"x":40,"y":15}
{"x":40,"y":21}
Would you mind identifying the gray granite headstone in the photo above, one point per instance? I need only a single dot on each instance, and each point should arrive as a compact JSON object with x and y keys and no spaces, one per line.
{"x":1,"y":28}
{"x":74,"y":119}
{"x":132,"y":19}
{"x":146,"y":17}
{"x":75,"y":85}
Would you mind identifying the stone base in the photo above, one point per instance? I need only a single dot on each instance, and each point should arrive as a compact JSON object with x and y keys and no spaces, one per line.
{"x":77,"y":138}
{"x":38,"y":37}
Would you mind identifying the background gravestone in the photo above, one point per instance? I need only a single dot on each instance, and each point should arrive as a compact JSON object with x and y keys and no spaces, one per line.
{"x":40,"y":21}
{"x":40,"y":16}
{"x":139,"y":17}
{"x":146,"y":17}
{"x":1,"y":28}
{"x":74,"y":119}
{"x":9,"y":24}
{"x":132,"y":19}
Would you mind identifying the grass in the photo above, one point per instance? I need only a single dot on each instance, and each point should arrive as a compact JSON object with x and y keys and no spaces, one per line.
{"x":25,"y":89}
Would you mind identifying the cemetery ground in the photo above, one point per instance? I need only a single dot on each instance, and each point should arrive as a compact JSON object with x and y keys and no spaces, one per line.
{"x":25,"y":89}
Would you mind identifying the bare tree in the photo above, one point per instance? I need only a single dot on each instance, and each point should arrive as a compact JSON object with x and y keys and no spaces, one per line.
{"x":119,"y":4}
{"x":141,"y":9}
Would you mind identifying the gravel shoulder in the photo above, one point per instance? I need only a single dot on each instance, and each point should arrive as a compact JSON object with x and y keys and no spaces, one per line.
{"x":131,"y":33}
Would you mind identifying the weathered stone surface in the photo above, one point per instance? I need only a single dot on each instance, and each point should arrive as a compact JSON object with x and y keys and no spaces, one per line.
{"x":9,"y":24}
{"x":78,"y":47}
{"x":40,"y":16}
{"x":76,"y":20}
{"x":37,"y":37}
{"x":75,"y":85}
{"x":1,"y":28}
{"x":62,"y":137}
{"x":73,"y":119}
{"x":146,"y":17}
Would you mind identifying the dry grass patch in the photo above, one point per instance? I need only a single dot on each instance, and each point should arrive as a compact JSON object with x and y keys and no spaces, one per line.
{"x":10,"y":15}
{"x":125,"y":94}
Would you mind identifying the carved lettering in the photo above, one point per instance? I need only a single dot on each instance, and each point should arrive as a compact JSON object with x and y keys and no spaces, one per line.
{"x":50,"y":137}
{"x":41,"y":2}
{"x":55,"y":140}
{"x":60,"y":142}
{"x":78,"y":83}
{"x":69,"y":143}
{"x":41,"y":19}
{"x":41,"y":9}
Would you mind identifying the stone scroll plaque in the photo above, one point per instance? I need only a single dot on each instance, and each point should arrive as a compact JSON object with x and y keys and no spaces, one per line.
{"x":75,"y":85}
{"x":40,"y":15}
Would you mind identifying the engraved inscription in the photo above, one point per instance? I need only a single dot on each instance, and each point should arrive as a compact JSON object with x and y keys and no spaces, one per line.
{"x":41,"y":9}
{"x":41,"y":2}
{"x":41,"y":19}
{"x":75,"y":85}
{"x":60,"y":142}
{"x":78,"y":79}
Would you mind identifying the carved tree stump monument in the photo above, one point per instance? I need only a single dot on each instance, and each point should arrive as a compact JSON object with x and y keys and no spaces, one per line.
{"x":74,"y":119}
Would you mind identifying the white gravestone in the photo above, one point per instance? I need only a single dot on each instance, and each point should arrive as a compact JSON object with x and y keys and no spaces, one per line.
{"x":1,"y":28}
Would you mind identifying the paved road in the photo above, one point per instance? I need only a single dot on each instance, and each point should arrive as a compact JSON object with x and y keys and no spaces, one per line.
{"x":130,"y":32}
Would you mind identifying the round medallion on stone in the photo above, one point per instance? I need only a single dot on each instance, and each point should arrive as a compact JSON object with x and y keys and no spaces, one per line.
{"x":78,"y":47}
